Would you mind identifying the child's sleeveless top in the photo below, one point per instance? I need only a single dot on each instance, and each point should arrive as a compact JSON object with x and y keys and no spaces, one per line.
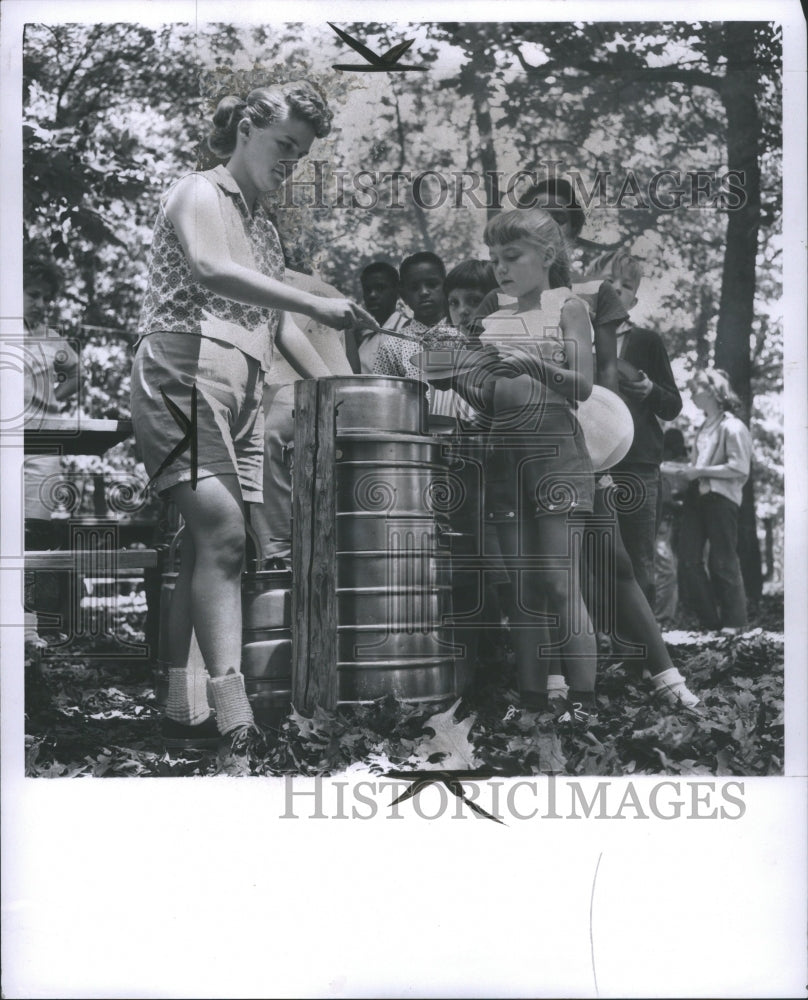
{"x":176,"y":303}
{"x":530,"y":337}
{"x":536,"y":462}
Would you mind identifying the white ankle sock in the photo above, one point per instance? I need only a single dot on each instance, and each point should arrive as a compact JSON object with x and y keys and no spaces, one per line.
{"x":187,"y":701}
{"x":556,"y":686}
{"x":673,"y":682}
{"x":667,"y":677}
{"x":231,"y":703}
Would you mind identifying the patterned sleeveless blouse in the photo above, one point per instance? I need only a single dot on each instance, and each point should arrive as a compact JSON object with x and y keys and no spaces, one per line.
{"x":176,"y":303}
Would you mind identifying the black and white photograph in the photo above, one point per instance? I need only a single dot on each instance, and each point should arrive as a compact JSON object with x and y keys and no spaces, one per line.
{"x":404,"y":417}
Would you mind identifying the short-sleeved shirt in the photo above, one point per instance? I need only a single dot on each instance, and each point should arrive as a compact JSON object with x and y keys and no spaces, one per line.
{"x":369,"y":346}
{"x":602,"y":301}
{"x":175,"y":302}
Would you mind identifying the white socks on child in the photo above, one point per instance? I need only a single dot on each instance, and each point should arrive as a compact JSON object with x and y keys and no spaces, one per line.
{"x":556,"y":686}
{"x":230,"y":700}
{"x":187,"y":696}
{"x":672,"y":683}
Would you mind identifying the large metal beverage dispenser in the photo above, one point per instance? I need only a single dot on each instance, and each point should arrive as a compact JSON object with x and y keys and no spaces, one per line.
{"x":392,"y":579}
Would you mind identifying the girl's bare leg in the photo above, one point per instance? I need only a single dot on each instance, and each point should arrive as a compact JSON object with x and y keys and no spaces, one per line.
{"x":187,"y":678}
{"x":180,"y":626}
{"x":214,"y":523}
{"x":214,"y":520}
{"x":556,"y":536}
{"x":528,"y":622}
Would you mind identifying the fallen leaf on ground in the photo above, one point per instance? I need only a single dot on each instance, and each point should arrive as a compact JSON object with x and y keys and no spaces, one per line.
{"x":450,"y":749}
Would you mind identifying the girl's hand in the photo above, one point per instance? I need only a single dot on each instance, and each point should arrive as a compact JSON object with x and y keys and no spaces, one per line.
{"x":342,"y":314}
{"x":689,"y":473}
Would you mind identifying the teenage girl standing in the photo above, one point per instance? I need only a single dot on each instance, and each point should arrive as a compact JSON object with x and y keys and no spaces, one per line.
{"x":211,"y":317}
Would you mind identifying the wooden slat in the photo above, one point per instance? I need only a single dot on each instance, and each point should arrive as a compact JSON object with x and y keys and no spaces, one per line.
{"x":314,"y":549}
{"x":78,"y":424}
{"x":66,"y":559}
{"x":75,"y":435}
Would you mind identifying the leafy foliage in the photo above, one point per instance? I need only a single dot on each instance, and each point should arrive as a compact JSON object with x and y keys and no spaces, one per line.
{"x":100,"y":719}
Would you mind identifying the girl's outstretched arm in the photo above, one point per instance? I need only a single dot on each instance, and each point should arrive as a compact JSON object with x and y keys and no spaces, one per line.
{"x":192,"y":207}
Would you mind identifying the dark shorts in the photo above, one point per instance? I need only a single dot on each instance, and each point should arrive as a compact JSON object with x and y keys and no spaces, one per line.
{"x":230,"y":414}
{"x":540,"y":468}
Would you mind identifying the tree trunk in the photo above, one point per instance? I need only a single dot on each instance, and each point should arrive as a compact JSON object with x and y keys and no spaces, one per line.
{"x":737,"y":307}
{"x":480,"y":85}
{"x":703,"y":319}
{"x":738,"y":282}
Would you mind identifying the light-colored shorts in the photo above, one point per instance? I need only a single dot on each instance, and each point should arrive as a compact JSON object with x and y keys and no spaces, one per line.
{"x":229,"y":428}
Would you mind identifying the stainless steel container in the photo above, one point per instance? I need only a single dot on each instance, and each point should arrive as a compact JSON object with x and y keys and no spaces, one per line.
{"x":368,"y":530}
{"x":267,"y":600}
{"x":266,"y":653}
{"x":428,"y":680}
{"x":167,"y":585}
{"x":392,"y":577}
{"x":401,"y":475}
{"x":404,"y":566}
{"x":377,"y":404}
{"x":396,"y":608}
{"x":466,"y":454}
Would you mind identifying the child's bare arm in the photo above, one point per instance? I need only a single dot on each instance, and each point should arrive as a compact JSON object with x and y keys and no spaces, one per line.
{"x":574,"y":382}
{"x":606,"y":355}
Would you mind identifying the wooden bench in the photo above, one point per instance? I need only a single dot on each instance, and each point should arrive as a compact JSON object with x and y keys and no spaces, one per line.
{"x":71,"y":559}
{"x":81,"y":562}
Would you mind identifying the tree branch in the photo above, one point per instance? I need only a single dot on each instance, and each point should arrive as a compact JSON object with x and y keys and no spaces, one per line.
{"x":68,"y":80}
{"x":660,"y":74}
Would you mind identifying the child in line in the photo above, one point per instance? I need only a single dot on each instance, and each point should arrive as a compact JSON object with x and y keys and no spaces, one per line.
{"x":537,"y":468}
{"x":422,"y":276}
{"x":380,"y":291}
{"x":648,"y":388}
{"x":614,"y":598}
{"x":486,"y":585}
{"x":465,"y":287}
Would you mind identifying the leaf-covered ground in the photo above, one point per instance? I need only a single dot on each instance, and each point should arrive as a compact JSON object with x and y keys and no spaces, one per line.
{"x":99,"y":717}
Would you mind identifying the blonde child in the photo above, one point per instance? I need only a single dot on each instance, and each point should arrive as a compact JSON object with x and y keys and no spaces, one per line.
{"x":538,"y":472}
